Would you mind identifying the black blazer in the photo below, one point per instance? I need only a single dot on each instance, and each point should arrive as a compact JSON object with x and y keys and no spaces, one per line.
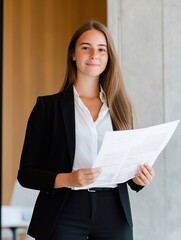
{"x":49,"y":149}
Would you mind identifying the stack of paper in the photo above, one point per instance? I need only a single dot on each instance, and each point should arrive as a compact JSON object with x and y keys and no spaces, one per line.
{"x":123,"y":152}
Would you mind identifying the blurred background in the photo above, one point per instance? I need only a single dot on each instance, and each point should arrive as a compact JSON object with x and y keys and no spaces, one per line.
{"x":147,"y":36}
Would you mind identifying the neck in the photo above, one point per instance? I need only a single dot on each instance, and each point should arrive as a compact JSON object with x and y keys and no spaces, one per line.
{"x":88,"y":88}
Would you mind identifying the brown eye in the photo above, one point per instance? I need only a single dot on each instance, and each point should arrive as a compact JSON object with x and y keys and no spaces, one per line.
{"x":102,"y":50}
{"x":86,"y":48}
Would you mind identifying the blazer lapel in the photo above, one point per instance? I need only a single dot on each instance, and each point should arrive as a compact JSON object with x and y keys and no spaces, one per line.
{"x":68,"y":112}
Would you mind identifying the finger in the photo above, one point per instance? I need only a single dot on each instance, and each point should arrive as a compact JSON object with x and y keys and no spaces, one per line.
{"x":88,"y":175}
{"x":139,"y":181}
{"x":143,"y":179}
{"x":144,"y":175}
{"x":92,"y":176}
{"x":150,"y":169}
{"x":90,"y":170}
{"x":148,"y":172}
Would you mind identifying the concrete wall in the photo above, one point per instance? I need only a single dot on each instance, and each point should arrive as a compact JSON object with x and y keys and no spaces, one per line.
{"x":147,"y":35}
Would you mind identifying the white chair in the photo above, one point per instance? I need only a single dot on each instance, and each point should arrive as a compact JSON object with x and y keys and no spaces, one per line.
{"x":17,"y":215}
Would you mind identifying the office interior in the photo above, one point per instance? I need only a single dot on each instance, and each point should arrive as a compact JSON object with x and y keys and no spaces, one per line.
{"x":148,"y":42}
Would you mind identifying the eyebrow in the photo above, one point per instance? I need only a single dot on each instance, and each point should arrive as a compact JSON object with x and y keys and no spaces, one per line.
{"x":101,"y":44}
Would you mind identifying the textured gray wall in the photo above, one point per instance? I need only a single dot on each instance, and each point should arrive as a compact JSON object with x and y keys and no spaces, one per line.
{"x":147,"y":35}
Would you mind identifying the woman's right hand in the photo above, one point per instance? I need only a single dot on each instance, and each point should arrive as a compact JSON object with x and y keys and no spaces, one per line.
{"x":78,"y":178}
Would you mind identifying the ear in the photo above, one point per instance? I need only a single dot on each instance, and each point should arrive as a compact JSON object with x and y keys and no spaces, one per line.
{"x":73,"y":57}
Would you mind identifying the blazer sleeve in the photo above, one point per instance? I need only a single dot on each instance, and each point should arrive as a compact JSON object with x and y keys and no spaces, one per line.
{"x":32,"y":173}
{"x":134,"y":186}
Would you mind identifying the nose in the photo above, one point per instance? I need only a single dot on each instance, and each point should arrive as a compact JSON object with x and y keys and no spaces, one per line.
{"x":93,"y":54}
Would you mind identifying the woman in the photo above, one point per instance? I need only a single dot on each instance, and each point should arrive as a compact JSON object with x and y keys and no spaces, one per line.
{"x":63,"y":137}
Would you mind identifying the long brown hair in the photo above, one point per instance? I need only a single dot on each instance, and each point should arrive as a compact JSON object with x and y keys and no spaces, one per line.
{"x":111,"y":79}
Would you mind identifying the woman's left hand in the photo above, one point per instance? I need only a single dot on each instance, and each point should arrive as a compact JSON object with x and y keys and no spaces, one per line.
{"x":144,"y":176}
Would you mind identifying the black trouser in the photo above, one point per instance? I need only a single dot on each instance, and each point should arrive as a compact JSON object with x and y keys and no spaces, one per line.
{"x":94,"y":216}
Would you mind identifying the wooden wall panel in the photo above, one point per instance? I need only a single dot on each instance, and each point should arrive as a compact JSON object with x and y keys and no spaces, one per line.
{"x":36,"y":35}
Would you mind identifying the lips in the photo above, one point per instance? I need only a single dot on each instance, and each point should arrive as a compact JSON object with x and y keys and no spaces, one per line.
{"x":93,"y":64}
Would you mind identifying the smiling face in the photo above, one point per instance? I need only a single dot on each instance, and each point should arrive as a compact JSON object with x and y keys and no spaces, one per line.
{"x":91,"y":54}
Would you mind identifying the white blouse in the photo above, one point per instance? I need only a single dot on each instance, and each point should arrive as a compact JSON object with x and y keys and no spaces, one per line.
{"x":89,"y":134}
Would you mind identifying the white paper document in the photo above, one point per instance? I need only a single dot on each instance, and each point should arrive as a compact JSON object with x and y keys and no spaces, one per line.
{"x":123,"y":152}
